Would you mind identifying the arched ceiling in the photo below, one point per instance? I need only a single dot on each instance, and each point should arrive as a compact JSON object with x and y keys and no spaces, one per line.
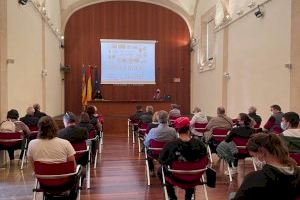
{"x":185,"y":8}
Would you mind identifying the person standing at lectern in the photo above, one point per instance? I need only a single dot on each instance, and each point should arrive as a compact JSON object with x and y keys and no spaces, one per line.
{"x":157,"y":95}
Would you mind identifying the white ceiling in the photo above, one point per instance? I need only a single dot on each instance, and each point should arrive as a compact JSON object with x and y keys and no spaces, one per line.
{"x":187,"y":5}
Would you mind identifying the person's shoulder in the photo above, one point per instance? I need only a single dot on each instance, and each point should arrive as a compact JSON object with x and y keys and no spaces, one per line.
{"x":257,"y":178}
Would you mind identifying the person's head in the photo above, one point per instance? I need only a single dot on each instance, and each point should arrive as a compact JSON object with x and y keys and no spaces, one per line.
{"x":12,"y":114}
{"x":275,"y":109}
{"x":196,"y":110}
{"x":69,"y":119}
{"x":149,"y":109}
{"x":155,"y":117}
{"x":243,"y":119}
{"x":139,"y":108}
{"x":84,"y":118}
{"x":47,"y":128}
{"x":158,"y":91}
{"x":290,"y":120}
{"x":182,"y":125}
{"x":95,"y":108}
{"x":220,"y":111}
{"x":30,"y":111}
{"x":251,"y":109}
{"x":162,"y":117}
{"x":90,"y":110}
{"x":36,"y":106}
{"x":268,"y":147}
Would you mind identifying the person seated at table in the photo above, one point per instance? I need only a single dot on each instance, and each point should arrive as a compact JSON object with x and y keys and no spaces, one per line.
{"x":183,"y":149}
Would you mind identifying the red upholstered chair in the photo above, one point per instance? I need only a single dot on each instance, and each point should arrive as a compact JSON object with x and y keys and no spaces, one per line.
{"x":34,"y":131}
{"x":277,"y":130}
{"x":172,"y":120}
{"x":296,"y":157}
{"x":219,"y":134}
{"x":95,"y":148}
{"x":186,"y":175}
{"x":55,"y":179}
{"x":200,"y":127}
{"x":14,"y":140}
{"x":152,"y":152}
{"x":83,"y":157}
{"x":257,"y":126}
{"x":133,"y":125}
{"x":142,"y":132}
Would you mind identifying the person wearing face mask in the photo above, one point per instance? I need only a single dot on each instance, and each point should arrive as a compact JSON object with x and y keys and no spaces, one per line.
{"x":291,"y":133}
{"x":279,"y":177}
{"x":227,"y":149}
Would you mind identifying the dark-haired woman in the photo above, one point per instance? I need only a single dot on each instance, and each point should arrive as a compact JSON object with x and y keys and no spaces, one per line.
{"x":227,"y":149}
{"x":279,"y":178}
{"x":48,"y":147}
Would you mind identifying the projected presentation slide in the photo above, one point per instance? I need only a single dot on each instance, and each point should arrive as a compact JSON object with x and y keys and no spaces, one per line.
{"x":127,"y":61}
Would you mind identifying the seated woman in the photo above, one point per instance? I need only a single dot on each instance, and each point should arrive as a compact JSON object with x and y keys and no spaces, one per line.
{"x":198,"y":117}
{"x":91,"y":111}
{"x":227,"y":149}
{"x":279,"y":177}
{"x":84,"y":122}
{"x":154,"y":122}
{"x":48,"y":147}
{"x":291,"y":133}
{"x":183,"y":149}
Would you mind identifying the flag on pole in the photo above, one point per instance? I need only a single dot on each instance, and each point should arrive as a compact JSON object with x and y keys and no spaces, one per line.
{"x":89,"y":89}
{"x":83,"y":86}
{"x":96,"y":82}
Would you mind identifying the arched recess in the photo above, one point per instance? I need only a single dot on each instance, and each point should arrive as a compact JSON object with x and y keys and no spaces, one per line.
{"x":67,"y":13}
{"x":129,"y":20}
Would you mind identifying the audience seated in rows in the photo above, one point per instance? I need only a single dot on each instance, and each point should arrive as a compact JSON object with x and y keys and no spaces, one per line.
{"x":198,"y":117}
{"x":37,"y":112}
{"x":273,"y":123}
{"x":279,"y":177}
{"x":291,"y":133}
{"x":29,"y":119}
{"x":71,"y":132}
{"x":147,"y":116}
{"x":162,"y":133}
{"x":91,"y":111}
{"x":12,"y":124}
{"x":221,"y":121}
{"x":84,"y":122}
{"x":183,"y":149}
{"x":138,"y":113}
{"x":227,"y":149}
{"x":254,"y":116}
{"x":174,"y":112}
{"x":49,"y":148}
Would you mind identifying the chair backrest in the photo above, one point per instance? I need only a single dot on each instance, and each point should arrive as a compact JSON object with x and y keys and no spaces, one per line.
{"x":277,"y":130}
{"x":48,"y":170}
{"x":10,"y":139}
{"x":200,"y":125}
{"x":296,"y":157}
{"x":82,"y":152}
{"x":92,"y":134}
{"x":33,"y":128}
{"x":189,"y":171}
{"x":156,"y":147}
{"x":143,"y":127}
{"x":257,"y":125}
{"x":241,"y":144}
{"x":219,"y":134}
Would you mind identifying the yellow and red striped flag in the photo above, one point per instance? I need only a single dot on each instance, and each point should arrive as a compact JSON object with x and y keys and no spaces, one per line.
{"x":83,"y":87}
{"x":89,"y":89}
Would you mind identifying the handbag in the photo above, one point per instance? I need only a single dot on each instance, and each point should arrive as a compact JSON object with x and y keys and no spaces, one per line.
{"x":211,"y":177}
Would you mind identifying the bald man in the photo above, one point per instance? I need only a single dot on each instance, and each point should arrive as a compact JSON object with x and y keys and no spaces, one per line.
{"x":221,"y":121}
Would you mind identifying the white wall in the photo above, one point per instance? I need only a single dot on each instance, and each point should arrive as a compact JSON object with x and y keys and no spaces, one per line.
{"x":25,"y":46}
{"x":257,"y":52}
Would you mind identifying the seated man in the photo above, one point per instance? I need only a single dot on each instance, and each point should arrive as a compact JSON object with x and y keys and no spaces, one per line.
{"x":291,"y":133}
{"x":37,"y":112}
{"x":221,"y":121}
{"x":29,"y":119}
{"x":162,"y":133}
{"x":71,"y":132}
{"x":273,"y":123}
{"x":183,"y":149}
{"x":254,"y":116}
{"x":147,"y":116}
{"x":174,"y":112}
{"x":12,"y":124}
{"x":84,"y":122}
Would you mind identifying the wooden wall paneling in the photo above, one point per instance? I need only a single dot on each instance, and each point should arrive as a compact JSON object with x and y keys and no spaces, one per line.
{"x":128,"y":20}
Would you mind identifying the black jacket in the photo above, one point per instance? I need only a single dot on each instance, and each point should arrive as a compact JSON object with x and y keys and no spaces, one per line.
{"x":73,"y":134}
{"x":30,"y":120}
{"x":242,"y":131}
{"x":269,"y":183}
{"x":39,"y":114}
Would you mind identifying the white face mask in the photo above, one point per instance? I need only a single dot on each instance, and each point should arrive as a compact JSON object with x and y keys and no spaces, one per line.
{"x":258,"y":163}
{"x":283,"y":126}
